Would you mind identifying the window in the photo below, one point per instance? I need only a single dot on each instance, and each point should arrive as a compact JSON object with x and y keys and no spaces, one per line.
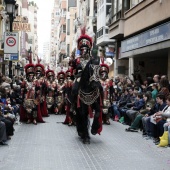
{"x":116,"y":9}
{"x":108,"y":9}
{"x":68,"y":49}
{"x":68,"y":27}
{"x":64,"y":28}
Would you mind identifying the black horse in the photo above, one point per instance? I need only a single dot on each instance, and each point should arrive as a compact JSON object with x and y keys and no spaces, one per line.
{"x":90,"y":93}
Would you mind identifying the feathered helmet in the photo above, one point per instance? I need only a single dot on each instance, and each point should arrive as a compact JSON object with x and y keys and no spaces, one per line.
{"x":39,"y":67}
{"x":29,"y":68}
{"x":49,"y":73}
{"x":61,"y":75}
{"x":69,"y":73}
{"x":84,"y":40}
{"x":104,"y":67}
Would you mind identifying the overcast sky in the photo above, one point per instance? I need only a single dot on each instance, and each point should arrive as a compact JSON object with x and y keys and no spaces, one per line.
{"x":44,"y":21}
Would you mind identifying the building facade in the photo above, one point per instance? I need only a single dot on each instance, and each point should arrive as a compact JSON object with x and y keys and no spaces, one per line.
{"x":141,"y":30}
{"x":46,"y":52}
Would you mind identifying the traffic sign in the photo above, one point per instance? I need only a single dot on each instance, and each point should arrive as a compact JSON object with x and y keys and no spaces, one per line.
{"x":11,"y":43}
{"x":13,"y":57}
{"x":7,"y":56}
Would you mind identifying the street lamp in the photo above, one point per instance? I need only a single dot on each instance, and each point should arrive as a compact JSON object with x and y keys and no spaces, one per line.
{"x":11,"y":8}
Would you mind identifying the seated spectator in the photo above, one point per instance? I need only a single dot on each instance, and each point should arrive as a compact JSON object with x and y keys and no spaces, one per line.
{"x":149,"y":104}
{"x":3,"y":137}
{"x":130,"y":114}
{"x":148,"y":126}
{"x":162,"y":116}
{"x":125,"y":98}
{"x":164,"y":87}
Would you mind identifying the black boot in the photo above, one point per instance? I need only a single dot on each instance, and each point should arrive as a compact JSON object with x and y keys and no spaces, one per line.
{"x":95,"y":127}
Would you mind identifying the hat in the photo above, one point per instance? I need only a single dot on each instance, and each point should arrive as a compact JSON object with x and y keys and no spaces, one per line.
{"x":39,"y":67}
{"x":29,"y":68}
{"x":69,"y":73}
{"x":104,"y":68}
{"x":84,"y":40}
{"x":49,"y":73}
{"x":61,"y":75}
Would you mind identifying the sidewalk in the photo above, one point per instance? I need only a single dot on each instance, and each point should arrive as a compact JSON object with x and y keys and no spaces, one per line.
{"x":54,"y":146}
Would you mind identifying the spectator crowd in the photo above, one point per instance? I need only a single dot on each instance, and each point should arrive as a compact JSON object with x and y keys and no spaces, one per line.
{"x":143,"y":106}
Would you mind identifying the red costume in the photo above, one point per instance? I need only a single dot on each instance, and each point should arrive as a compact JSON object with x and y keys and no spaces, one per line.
{"x":41,"y":87}
{"x":60,"y":87}
{"x":51,"y":92}
{"x":29,"y":110}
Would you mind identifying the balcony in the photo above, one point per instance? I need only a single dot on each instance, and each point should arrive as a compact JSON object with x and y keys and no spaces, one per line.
{"x":103,"y":37}
{"x":62,"y":37}
{"x":62,"y":21}
{"x":63,"y":4}
{"x":116,"y":29}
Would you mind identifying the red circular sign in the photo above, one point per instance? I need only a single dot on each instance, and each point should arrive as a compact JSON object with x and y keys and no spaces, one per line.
{"x":10,"y":41}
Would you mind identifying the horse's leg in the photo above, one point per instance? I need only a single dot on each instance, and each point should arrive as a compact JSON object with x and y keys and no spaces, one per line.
{"x":96,"y":124}
{"x":83,"y":123}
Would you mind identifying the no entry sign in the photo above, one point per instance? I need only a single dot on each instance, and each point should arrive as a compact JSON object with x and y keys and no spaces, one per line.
{"x":11,"y":42}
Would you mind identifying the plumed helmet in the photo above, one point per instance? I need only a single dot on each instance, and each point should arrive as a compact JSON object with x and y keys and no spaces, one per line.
{"x":39,"y":67}
{"x":69,"y":73}
{"x":104,"y":68}
{"x":61,"y":75}
{"x":84,"y":40}
{"x":49,"y":73}
{"x":29,"y":68}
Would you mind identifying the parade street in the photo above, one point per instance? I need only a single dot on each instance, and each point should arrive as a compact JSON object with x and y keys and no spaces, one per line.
{"x":54,"y":146}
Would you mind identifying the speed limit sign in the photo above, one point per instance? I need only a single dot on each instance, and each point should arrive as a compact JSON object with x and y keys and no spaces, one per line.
{"x":11,"y":42}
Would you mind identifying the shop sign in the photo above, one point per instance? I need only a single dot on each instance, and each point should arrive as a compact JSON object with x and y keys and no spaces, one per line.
{"x":21,"y":24}
{"x":152,"y":36}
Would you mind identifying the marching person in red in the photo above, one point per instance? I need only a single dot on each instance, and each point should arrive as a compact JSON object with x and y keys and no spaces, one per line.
{"x":104,"y":70}
{"x":68,"y":98}
{"x":29,"y":108}
{"x":51,"y":92}
{"x":41,"y":87}
{"x":60,"y":87}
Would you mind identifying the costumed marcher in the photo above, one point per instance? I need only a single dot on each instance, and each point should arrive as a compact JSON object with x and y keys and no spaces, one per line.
{"x":68,"y":98}
{"x":41,"y":87}
{"x":87,"y":89}
{"x":29,"y":109}
{"x":51,"y":92}
{"x":104,"y":70}
{"x":60,"y":87}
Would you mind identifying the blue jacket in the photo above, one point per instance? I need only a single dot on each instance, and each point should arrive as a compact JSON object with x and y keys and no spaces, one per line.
{"x":139,"y":104}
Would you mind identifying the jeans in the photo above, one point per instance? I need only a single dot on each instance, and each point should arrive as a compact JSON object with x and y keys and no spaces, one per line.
{"x":115,"y":110}
{"x":146,"y":125}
